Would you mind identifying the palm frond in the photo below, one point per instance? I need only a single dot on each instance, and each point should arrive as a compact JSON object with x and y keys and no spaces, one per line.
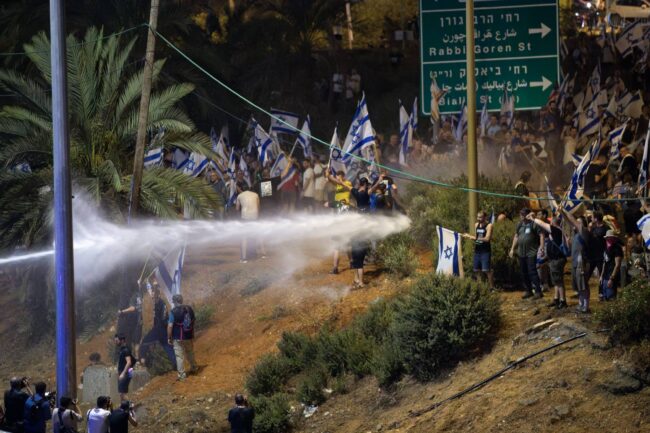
{"x":28,"y":89}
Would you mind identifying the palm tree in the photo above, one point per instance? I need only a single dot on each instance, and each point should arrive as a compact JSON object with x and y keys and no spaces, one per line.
{"x":103,"y":95}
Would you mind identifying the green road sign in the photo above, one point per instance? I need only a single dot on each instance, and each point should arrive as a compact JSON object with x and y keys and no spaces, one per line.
{"x":516,"y":48}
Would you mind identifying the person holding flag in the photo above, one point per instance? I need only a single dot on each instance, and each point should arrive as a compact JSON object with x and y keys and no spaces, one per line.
{"x":482,"y":251}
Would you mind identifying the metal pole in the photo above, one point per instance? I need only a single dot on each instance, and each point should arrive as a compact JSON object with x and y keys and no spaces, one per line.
{"x":348,"y":14}
{"x":147,"y":74}
{"x":66,"y":365}
{"x":472,"y":163}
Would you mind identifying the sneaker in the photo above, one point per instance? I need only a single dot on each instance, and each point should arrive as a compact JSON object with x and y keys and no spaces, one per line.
{"x":538,"y":295}
{"x":243,"y":261}
{"x":561,"y":305}
{"x":527,"y":295}
{"x":553,"y":304}
{"x":334,"y":271}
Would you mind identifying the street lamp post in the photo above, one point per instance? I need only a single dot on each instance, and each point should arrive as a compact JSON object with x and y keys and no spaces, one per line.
{"x":472,"y":162}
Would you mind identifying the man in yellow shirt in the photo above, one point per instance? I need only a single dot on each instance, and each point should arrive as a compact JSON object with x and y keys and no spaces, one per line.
{"x":343,"y":187}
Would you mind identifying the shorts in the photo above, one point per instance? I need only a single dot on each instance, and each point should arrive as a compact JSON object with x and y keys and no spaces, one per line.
{"x":578,"y":279}
{"x":556,"y":267}
{"x":123,"y":384}
{"x":358,"y":255}
{"x":482,"y":261}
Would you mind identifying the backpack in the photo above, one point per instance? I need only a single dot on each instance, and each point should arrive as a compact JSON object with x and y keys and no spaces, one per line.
{"x":188,"y":323}
{"x":35,"y":409}
{"x":62,"y":427}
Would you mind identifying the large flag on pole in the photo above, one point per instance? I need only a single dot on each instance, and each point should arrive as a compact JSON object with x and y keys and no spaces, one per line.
{"x":336,"y":155}
{"x":169,"y":271}
{"x":264,"y":144}
{"x":153,"y":157}
{"x":450,"y":255}
{"x":616,"y":138}
{"x":405,"y":134}
{"x":195,"y":165}
{"x":283,"y":122}
{"x":304,"y":138}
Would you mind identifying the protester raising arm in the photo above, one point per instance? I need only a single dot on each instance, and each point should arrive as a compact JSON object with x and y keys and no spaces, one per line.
{"x":543,"y":224}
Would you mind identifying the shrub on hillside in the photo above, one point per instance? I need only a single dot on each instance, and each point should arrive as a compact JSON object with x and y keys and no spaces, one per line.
{"x":628,"y":317}
{"x":375,"y":321}
{"x":268,"y":375}
{"x":344,"y":351}
{"x":396,"y":254}
{"x":299,"y":349}
{"x":271,"y":414}
{"x":310,"y":389}
{"x":440,"y":321}
{"x":388,"y":365}
{"x":203,"y":315}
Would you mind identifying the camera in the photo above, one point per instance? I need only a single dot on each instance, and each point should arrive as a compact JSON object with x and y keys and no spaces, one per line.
{"x":51,"y":397}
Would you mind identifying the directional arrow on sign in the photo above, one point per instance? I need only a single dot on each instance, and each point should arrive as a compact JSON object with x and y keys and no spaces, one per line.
{"x":542,"y":30}
{"x":544,"y":84}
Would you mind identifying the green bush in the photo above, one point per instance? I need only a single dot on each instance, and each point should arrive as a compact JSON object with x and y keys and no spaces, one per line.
{"x":388,"y":366}
{"x":440,"y":321}
{"x":628,"y":317}
{"x":271,"y":414}
{"x":344,"y":351}
{"x":203,"y":315}
{"x":375,"y":321}
{"x":396,"y":254}
{"x":269,"y":375}
{"x":310,"y":390}
{"x":299,"y":349}
{"x":253,"y":287}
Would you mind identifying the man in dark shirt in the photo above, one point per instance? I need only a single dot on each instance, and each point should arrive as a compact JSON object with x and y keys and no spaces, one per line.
{"x":241,"y":416}
{"x":596,"y":178}
{"x":528,"y":239}
{"x":15,"y":399}
{"x":158,"y":332}
{"x":628,"y":164}
{"x":361,"y":195}
{"x":613,"y":257}
{"x":37,"y":410}
{"x":121,"y":417}
{"x":125,"y":365}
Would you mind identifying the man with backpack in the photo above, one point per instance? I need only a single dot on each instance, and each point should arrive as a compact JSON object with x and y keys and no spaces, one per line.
{"x":66,"y":416}
{"x":15,"y":399}
{"x":37,"y":410}
{"x":180,"y":334}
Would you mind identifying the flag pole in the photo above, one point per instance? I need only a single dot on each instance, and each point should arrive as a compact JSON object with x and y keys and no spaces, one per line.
{"x":66,"y":360}
{"x":472,"y":162}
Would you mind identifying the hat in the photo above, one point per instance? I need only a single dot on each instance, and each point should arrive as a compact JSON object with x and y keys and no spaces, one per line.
{"x":610,"y":234}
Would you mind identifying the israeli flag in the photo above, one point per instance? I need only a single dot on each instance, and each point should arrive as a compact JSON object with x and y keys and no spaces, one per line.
{"x":405,"y":134}
{"x":283,"y":122}
{"x":644,"y":225}
{"x":180,"y":159}
{"x":232,"y":193}
{"x":304,"y":138}
{"x":461,"y":127}
{"x":566,"y":90}
{"x":634,"y":106}
{"x":450,"y":256}
{"x":352,"y":144}
{"x":169,"y":272}
{"x":264,"y":144}
{"x":551,"y":200}
{"x":288,"y":176}
{"x":643,"y":169}
{"x":279,"y":165}
{"x":219,"y":145}
{"x":616,"y":138}
{"x":485,"y":119}
{"x":244,"y":168}
{"x":232,"y":164}
{"x":589,"y":120}
{"x":195,"y":165}
{"x":508,"y":107}
{"x":336,"y":155}
{"x":153,"y":157}
{"x":366,"y":140}
{"x":630,"y":37}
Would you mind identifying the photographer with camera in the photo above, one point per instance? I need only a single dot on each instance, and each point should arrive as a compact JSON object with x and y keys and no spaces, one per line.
{"x":66,"y":416}
{"x":120,"y":418}
{"x":38,"y":410}
{"x":97,"y":418}
{"x":15,"y":398}
{"x":241,"y":416}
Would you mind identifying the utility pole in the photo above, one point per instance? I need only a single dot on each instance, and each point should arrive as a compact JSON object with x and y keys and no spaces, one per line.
{"x":66,"y":360}
{"x":138,"y":157}
{"x":472,"y":163}
{"x":348,"y":14}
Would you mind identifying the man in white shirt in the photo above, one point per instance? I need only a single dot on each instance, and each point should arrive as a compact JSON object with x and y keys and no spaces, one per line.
{"x":308,"y":186}
{"x":97,"y":418}
{"x":69,"y":414}
{"x":248,"y":203}
{"x":320,"y":183}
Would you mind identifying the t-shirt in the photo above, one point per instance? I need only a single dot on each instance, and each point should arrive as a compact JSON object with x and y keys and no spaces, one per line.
{"x":159,"y":315}
{"x":521,"y":189}
{"x":241,"y":419}
{"x":596,"y":243}
{"x":609,"y":257}
{"x":629,"y":165}
{"x":97,"y":420}
{"x":591,"y":185}
{"x":249,"y":204}
{"x":553,"y":244}
{"x":308,"y":186}
{"x":69,"y":417}
{"x":118,"y":421}
{"x":342,"y":193}
{"x":176,"y":317}
{"x":320,"y":180}
{"x":125,"y":352}
{"x":527,"y":239}
{"x":481,"y":232}
{"x":14,"y":406}
{"x":578,"y":248}
{"x":362,"y":198}
{"x":37,"y":413}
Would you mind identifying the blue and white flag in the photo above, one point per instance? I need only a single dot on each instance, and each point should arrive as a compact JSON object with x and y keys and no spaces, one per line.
{"x":288,"y":176}
{"x":353,"y":140}
{"x":169,"y":272}
{"x":629,"y":38}
{"x":21,"y":167}
{"x":644,"y":226}
{"x":461,"y":126}
{"x":414,"y":115}
{"x":180,"y":159}
{"x":304,"y":138}
{"x":279,"y":165}
{"x":244,"y":169}
{"x":366,"y":140}
{"x":232,"y":193}
{"x":634,"y":106}
{"x":616,"y":138}
{"x":485,"y":119}
{"x":566,"y":90}
{"x":283,"y":122}
{"x":590,"y":120}
{"x":264,"y":144}
{"x":405,"y":135}
{"x":643,"y":169}
{"x":219,"y":146}
{"x":508,"y":107}
{"x":153,"y":157}
{"x":551,"y":200}
{"x":232,"y":164}
{"x":195,"y":165}
{"x":450,"y":255}
{"x":336,"y":155}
